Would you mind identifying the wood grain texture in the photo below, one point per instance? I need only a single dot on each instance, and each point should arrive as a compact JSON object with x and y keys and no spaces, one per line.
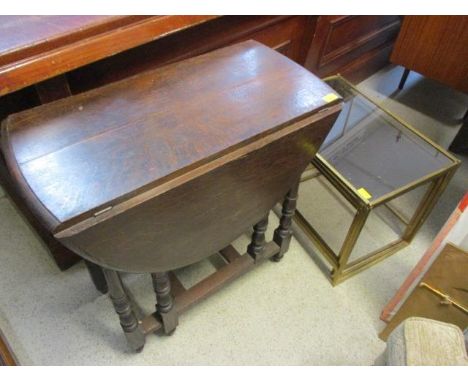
{"x":341,"y":42}
{"x":290,"y":35}
{"x":26,"y":35}
{"x":52,"y":45}
{"x":157,"y":171}
{"x":63,"y":257}
{"x":198,"y":213}
{"x":436,"y":47}
{"x":80,"y":153}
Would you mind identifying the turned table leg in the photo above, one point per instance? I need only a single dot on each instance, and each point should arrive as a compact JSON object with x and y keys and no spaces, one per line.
{"x":97,"y":276}
{"x":121,"y":302}
{"x":165,"y":302}
{"x":283,"y":233}
{"x":257,"y":242}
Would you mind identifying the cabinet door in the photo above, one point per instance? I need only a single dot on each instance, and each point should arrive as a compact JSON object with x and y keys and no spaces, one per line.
{"x":354,"y":46}
{"x":435,"y":46}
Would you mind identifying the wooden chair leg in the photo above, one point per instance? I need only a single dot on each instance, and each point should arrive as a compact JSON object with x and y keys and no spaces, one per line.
{"x":165,"y":302}
{"x":459,"y":144}
{"x":121,"y":302}
{"x":283,"y":233}
{"x":97,"y":276}
{"x":257,"y":243}
{"x":404,"y":77}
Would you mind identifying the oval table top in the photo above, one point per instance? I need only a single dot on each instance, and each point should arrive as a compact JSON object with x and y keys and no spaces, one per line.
{"x":75,"y":156}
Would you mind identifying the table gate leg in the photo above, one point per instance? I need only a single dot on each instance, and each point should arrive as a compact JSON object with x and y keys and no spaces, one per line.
{"x":97,"y":276}
{"x":283,"y":233}
{"x":257,"y":242}
{"x":164,"y":301}
{"x":121,"y":302}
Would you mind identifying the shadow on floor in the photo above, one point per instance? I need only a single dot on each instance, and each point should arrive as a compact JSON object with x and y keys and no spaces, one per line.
{"x":429,"y":97}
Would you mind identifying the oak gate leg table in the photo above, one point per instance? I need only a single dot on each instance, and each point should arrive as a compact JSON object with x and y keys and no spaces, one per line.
{"x":166,"y":168}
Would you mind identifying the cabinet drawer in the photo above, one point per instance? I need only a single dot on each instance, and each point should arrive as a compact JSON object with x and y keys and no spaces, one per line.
{"x":341,"y":43}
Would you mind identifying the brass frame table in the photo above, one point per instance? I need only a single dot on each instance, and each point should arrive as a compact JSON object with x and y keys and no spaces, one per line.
{"x":364,"y":203}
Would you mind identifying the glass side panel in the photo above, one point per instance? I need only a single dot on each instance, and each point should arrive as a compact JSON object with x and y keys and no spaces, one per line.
{"x":375,"y":152}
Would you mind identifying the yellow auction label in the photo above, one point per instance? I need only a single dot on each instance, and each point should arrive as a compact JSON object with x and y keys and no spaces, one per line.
{"x":330,"y":97}
{"x":364,"y":193}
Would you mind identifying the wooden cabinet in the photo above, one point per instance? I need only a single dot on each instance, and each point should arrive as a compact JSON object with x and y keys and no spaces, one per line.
{"x":354,"y":46}
{"x":436,"y":47}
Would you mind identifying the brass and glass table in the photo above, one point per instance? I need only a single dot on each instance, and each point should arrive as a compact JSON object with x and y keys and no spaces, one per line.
{"x":370,"y":159}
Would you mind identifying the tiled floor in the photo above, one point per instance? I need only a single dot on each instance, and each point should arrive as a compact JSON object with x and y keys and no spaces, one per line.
{"x":281,"y":313}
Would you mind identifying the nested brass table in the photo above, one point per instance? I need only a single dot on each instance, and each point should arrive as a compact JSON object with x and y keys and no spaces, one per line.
{"x":372,"y":157}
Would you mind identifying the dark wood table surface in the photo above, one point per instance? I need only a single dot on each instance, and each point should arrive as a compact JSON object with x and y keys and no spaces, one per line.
{"x":83,"y":155}
{"x":35,"y":48}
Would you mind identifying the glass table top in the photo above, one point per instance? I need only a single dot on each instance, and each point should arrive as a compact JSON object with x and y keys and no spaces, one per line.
{"x":373,"y":151}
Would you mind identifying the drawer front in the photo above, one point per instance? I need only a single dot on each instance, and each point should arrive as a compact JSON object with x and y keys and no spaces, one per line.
{"x":342,"y":44}
{"x":291,"y":36}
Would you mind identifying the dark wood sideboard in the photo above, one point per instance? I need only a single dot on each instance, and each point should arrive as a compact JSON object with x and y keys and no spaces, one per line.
{"x":92,"y":52}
